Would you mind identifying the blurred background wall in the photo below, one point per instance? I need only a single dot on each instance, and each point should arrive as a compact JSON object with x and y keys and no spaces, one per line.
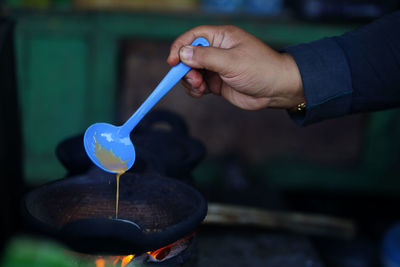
{"x":84,"y":61}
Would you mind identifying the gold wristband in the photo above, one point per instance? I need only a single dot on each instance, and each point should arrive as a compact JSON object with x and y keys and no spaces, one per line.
{"x":299,"y":108}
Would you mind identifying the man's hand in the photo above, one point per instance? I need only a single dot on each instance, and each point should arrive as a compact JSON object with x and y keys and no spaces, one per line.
{"x":239,"y":67}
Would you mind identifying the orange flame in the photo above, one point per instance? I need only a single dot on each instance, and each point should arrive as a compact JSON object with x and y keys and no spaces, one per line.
{"x":161,"y":253}
{"x":126,"y":260}
{"x":158,"y":254}
{"x":100,"y":262}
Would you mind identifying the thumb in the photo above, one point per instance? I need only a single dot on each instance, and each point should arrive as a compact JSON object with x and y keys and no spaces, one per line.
{"x":210,"y":58}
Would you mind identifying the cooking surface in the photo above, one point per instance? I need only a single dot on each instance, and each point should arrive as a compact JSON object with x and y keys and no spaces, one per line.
{"x":79,"y":211}
{"x":144,"y":200}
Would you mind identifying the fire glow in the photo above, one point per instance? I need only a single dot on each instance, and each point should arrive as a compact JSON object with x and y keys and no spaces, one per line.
{"x":153,"y":256}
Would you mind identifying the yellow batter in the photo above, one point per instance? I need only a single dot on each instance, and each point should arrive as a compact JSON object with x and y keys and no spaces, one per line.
{"x":111,"y":162}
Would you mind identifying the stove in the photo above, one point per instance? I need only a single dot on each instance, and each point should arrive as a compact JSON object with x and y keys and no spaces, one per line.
{"x":208,"y":246}
{"x":179,"y":253}
{"x":222,"y":246}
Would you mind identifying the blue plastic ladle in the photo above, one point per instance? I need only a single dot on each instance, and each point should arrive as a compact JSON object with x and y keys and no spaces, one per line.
{"x":116,"y":138}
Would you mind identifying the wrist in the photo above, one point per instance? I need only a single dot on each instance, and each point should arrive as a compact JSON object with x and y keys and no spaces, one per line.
{"x":290,"y":87}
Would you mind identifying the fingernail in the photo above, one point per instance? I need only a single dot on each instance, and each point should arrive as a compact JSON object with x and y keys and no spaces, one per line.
{"x":186,"y":52}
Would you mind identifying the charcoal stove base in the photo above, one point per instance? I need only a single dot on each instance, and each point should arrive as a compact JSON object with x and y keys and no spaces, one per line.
{"x":222,"y":246}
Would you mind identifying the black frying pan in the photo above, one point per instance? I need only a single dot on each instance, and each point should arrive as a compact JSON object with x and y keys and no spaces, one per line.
{"x":153,"y":212}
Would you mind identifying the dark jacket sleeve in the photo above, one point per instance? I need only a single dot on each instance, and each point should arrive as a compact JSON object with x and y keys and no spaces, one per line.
{"x":355,"y":72}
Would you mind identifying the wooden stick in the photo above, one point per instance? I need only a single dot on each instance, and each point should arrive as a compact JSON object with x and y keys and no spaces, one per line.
{"x":309,"y":224}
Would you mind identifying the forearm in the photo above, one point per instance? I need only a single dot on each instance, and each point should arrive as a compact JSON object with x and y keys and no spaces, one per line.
{"x":356,"y":72}
{"x":373,"y":55}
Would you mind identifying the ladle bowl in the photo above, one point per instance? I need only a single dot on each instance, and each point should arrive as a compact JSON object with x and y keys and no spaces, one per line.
{"x":109,"y":137}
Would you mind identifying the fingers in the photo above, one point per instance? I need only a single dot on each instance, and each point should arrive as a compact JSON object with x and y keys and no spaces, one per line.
{"x":198,"y":84}
{"x":187,"y":38}
{"x":210,"y":58}
{"x":214,"y":82}
{"x":195,"y":84}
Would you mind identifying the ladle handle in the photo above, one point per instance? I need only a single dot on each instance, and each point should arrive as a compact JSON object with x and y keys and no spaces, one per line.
{"x":170,"y":80}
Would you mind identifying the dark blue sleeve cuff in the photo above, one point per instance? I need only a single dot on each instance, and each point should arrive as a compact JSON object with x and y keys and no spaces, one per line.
{"x":326,"y":80}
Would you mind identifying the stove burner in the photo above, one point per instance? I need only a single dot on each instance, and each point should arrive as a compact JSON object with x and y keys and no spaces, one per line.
{"x":175,"y":254}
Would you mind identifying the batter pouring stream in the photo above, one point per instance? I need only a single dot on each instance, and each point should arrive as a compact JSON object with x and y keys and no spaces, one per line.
{"x":111,"y":162}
